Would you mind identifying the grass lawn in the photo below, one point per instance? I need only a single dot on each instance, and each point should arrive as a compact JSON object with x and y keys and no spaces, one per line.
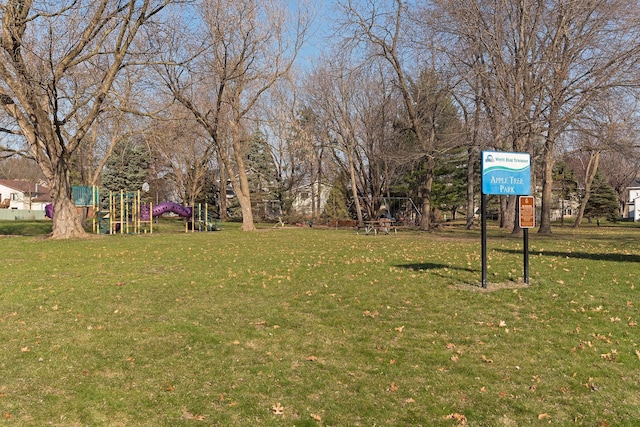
{"x":317,"y":327}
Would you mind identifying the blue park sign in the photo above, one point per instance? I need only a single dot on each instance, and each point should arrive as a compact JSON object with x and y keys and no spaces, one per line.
{"x":505,"y":173}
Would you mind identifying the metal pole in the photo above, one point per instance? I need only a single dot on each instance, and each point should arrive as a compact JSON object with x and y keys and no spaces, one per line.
{"x":525,"y":237}
{"x":483,"y":228}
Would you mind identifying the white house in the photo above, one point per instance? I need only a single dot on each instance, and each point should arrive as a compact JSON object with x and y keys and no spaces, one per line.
{"x":305,"y":197}
{"x":23,"y":194}
{"x":633,"y":200}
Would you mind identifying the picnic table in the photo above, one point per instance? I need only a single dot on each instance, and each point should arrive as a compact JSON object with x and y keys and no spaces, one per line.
{"x":383,"y":224}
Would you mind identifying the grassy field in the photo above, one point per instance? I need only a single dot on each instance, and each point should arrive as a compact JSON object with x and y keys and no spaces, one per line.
{"x":317,"y":327}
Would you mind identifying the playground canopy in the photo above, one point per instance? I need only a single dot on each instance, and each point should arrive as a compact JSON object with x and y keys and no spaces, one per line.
{"x":85,"y":196}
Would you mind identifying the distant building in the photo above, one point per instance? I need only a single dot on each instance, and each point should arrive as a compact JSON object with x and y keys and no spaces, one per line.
{"x":632,"y":208}
{"x":23,"y":194}
{"x":305,"y":196}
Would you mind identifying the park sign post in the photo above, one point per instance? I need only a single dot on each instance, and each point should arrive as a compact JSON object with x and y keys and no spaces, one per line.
{"x":504,"y":174}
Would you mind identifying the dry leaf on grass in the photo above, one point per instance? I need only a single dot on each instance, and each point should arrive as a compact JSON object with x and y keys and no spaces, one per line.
{"x":460,"y":418}
{"x":189,"y":416}
{"x":277,"y":409}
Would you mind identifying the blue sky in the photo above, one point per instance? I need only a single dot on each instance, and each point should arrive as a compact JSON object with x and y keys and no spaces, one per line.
{"x":319,"y":31}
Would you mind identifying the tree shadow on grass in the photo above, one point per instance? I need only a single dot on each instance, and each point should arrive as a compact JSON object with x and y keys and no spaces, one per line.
{"x":426,"y":266}
{"x":613,"y":257}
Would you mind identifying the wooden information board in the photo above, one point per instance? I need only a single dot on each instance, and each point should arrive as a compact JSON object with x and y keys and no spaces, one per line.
{"x":527,"y":211}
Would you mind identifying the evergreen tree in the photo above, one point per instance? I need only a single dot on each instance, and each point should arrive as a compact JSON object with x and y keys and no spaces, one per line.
{"x":262,"y":175}
{"x":603,"y":202}
{"x":439,"y":125}
{"x":126,"y":168}
{"x":336,"y":205}
{"x":450,"y":182}
{"x":261,"y":169}
{"x":210,"y":190}
{"x":566,"y":185}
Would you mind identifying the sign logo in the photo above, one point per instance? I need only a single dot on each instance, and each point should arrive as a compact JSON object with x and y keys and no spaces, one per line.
{"x":505,"y":173}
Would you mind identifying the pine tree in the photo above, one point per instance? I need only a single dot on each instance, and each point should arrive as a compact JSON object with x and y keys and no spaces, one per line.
{"x":566,"y":185}
{"x":603,"y":202}
{"x":449,"y":190}
{"x":336,"y":205}
{"x":126,"y":168}
{"x":262,"y":175}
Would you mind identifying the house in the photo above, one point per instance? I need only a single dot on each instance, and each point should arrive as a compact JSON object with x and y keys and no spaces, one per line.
{"x":632,"y":207}
{"x":23,"y":194}
{"x":306,"y":195}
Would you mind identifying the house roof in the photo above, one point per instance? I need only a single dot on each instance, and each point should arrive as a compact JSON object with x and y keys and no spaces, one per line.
{"x":41,"y":192}
{"x":634,"y":184}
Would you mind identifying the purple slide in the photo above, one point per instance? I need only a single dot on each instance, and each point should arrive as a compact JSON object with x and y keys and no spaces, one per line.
{"x":163,"y":208}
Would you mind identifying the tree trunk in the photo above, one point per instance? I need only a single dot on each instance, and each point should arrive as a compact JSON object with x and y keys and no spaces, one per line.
{"x":473,"y":154}
{"x":243,"y":192}
{"x":354,"y":190}
{"x":319,"y":186}
{"x":547,"y":186}
{"x":425,"y":189}
{"x":590,"y":174}
{"x":508,"y":217}
{"x":247,"y":214}
{"x":222,"y":200}
{"x":66,"y":221}
{"x":517,"y":230}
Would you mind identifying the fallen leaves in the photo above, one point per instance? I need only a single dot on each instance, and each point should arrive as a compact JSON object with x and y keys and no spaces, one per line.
{"x":277,"y":409}
{"x":459,"y":418}
{"x":189,"y":416}
{"x":610,"y":356}
{"x":486,"y":360}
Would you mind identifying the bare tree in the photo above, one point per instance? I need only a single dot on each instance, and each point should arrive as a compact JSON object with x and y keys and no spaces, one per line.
{"x":221,"y":66}
{"x":58,"y":64}
{"x":331,"y":90}
{"x":179,"y":149}
{"x":605,"y":128}
{"x":289,"y":127}
{"x":541,"y":63}
{"x":621,"y":169}
{"x":382,"y":29}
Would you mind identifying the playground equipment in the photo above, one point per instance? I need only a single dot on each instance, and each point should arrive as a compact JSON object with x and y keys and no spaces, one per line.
{"x":124,"y":214}
{"x":127,"y":214}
